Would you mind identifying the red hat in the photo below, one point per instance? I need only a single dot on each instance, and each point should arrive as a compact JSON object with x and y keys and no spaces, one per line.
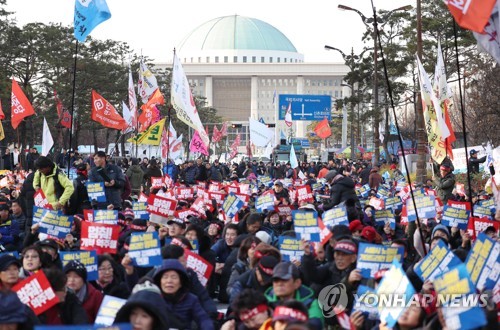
{"x":369,"y":233}
{"x":346,"y":246}
{"x":355,"y":226}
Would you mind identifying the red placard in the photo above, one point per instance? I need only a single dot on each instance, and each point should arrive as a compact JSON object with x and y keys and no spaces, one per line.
{"x":284,"y":210}
{"x":41,"y":200}
{"x":214,"y":186}
{"x":218,"y":196}
{"x":100,"y":237}
{"x":167,"y":180}
{"x":88,"y":215}
{"x":292,"y":193}
{"x":198,"y":205}
{"x":377,"y":203}
{"x":36,"y":292}
{"x":143,"y":197}
{"x":325,"y":234}
{"x":478,"y":225}
{"x":304,"y":194}
{"x":161,"y":206}
{"x":184,"y":193}
{"x":233,"y":189}
{"x":201,"y":267}
{"x":156,"y":182}
{"x":183,"y":214}
{"x":460,"y":205}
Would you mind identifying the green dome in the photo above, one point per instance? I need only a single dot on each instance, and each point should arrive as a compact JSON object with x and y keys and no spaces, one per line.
{"x":236,"y":33}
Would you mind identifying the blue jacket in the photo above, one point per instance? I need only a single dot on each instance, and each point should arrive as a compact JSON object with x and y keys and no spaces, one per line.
{"x":191,"y":174}
{"x":221,"y":249}
{"x":9,"y":231}
{"x":113,"y":194}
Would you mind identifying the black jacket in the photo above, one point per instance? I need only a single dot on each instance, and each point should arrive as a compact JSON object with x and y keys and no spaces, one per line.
{"x":80,"y":198}
{"x":70,"y":311}
{"x":342,"y":190}
{"x":474,"y":164}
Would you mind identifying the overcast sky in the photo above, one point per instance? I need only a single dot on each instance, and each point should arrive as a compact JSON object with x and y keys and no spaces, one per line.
{"x":157,"y":26}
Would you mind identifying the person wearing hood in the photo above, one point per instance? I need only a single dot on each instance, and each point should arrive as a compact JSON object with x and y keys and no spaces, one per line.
{"x":445,"y":182}
{"x":182,"y":306}
{"x":135,"y":175}
{"x":342,"y":190}
{"x":145,"y":309}
{"x":55,"y":185}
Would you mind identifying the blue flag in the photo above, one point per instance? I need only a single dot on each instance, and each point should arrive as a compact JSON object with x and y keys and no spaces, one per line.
{"x":262,"y":120}
{"x":89,"y":14}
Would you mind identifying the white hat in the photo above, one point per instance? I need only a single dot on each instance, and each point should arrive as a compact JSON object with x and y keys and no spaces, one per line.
{"x":263,"y":236}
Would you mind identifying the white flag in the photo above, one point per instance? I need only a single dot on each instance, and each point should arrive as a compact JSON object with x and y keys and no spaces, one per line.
{"x":147,"y":84}
{"x":288,"y":115}
{"x":269,"y":150}
{"x":294,"y":163}
{"x":47,"y":141}
{"x":260,"y":134}
{"x":182,"y":100}
{"x":490,"y":39}
{"x":176,"y":148}
{"x":172,"y":133}
{"x":129,"y":119}
{"x":441,"y":90}
{"x":132,"y":98}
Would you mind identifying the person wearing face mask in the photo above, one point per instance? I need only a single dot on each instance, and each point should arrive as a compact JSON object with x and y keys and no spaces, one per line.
{"x":182,"y":306}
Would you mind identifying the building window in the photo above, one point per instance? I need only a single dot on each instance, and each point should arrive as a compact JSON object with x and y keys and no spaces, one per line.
{"x":199,"y":59}
{"x":244,"y":59}
{"x":285,"y":59}
{"x":216,"y":59}
{"x":191,"y":60}
{"x":262,"y":59}
{"x":226,"y":59}
{"x":270,"y":60}
{"x":336,"y":93}
{"x":235,"y":59}
{"x":278,"y":60}
{"x":335,"y":82}
{"x":208,"y":59}
{"x":254,"y":59}
{"x":201,"y":83}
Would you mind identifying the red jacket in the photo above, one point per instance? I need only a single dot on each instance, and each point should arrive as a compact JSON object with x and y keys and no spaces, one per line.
{"x":92,"y":302}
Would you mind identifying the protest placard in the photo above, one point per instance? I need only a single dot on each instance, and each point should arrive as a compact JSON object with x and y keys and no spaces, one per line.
{"x":56,"y":224}
{"x":306,"y":225}
{"x":265,"y":180}
{"x":40,"y":200}
{"x":140,"y":210}
{"x":478,"y":225}
{"x":142,"y":197}
{"x":377,"y":203}
{"x":393,"y":203}
{"x":95,"y":191}
{"x":290,"y":248}
{"x":335,"y":216}
{"x":184,"y":192}
{"x":87,"y":258}
{"x":218,"y":196}
{"x":316,"y":186}
{"x":373,"y":257}
{"x":100,"y":237}
{"x":324,"y":233}
{"x":425,"y":205}
{"x":364,"y":302}
{"x":457,"y":284}
{"x":385,"y":216}
{"x":482,"y":212}
{"x":265,"y":202}
{"x":107,"y":312}
{"x":116,"y":326}
{"x":38,"y":214}
{"x":284,"y":210}
{"x":244,"y":197}
{"x":161,"y":206}
{"x":439,"y":260}
{"x":109,"y":217}
{"x":304,"y":194}
{"x":483,"y":262}
{"x":383,"y":192}
{"x":363,"y":191}
{"x":36,"y":292}
{"x":232,"y":204}
{"x":459,"y":205}
{"x":455,"y":217}
{"x":394,"y":283}
{"x":489,"y":203}
{"x":156,"y":182}
{"x":144,"y":249}
{"x":232,"y":189}
{"x":201,"y":267}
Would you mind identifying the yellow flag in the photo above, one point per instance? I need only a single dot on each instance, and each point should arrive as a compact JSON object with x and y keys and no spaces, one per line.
{"x":151,"y":136}
{"x":2,"y":133}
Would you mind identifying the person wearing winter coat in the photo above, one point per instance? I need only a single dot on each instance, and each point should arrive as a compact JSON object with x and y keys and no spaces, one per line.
{"x":9,"y":229}
{"x":191,"y":172}
{"x":113,"y":179}
{"x":375,"y":179}
{"x":342,"y":190}
{"x":445,"y":183}
{"x":109,"y":281}
{"x":173,"y":281}
{"x":213,"y":173}
{"x":135,"y":176}
{"x":87,"y":295}
{"x":80,"y":199}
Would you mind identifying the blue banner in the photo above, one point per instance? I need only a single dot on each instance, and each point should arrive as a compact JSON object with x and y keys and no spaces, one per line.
{"x":95,"y":191}
{"x":306,"y":225}
{"x":455,"y":217}
{"x":393,"y":203}
{"x":55,"y":223}
{"x":140,"y":210}
{"x":264,"y":202}
{"x":144,"y":249}
{"x":335,"y":216}
{"x":483,"y":262}
{"x":306,"y":106}
{"x":481,"y":211}
{"x":109,"y":217}
{"x":365,"y":303}
{"x":290,"y":248}
{"x":89,"y":14}
{"x":363,"y":191}
{"x":232,"y":204}
{"x":385,"y":216}
{"x":383,"y":192}
{"x":373,"y":257}
{"x":107,"y":312}
{"x":425,"y":205}
{"x":88,"y":258}
{"x":459,"y":310}
{"x":439,"y":260}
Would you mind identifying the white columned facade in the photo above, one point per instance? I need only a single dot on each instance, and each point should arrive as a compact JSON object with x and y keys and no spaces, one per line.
{"x":254,"y":98}
{"x":209,"y":91}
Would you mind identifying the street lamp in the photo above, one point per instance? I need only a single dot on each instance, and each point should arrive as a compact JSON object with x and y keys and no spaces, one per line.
{"x":373,"y":21}
{"x":352,"y":121}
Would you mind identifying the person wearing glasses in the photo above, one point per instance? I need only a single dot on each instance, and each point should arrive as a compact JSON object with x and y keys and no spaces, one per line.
{"x":110,"y":279}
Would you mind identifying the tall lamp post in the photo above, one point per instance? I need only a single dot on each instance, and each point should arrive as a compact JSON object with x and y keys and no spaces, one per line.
{"x":374,"y":21}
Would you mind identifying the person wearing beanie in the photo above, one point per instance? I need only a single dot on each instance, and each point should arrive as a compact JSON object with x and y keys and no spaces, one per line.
{"x":9,"y":271}
{"x":145,"y":309}
{"x":369,"y":234}
{"x":89,"y":297}
{"x":356,"y":227}
{"x":441,"y":231}
{"x":55,"y":185}
{"x":444,"y":181}
{"x":182,"y":306}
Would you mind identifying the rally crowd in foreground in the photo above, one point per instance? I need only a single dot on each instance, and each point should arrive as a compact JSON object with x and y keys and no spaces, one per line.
{"x":160,"y":246}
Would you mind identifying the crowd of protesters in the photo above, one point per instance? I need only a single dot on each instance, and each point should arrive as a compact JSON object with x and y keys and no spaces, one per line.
{"x":262,"y":290}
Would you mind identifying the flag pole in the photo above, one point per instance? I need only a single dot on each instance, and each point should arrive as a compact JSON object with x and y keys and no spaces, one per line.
{"x":462,"y":111}
{"x":72,"y":105}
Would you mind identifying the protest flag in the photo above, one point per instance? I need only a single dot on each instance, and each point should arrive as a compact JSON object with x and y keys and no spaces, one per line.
{"x":197,"y":144}
{"x":147,"y":84}
{"x":323,"y":130}
{"x":20,"y":105}
{"x":473,"y":14}
{"x":59,"y":105}
{"x":223,"y":130}
{"x":89,"y":14}
{"x":47,"y":140}
{"x":288,"y":115}
{"x":217,"y":135}
{"x":66,"y":119}
{"x":132,"y":98}
{"x":128,"y":116}
{"x":293,"y":158}
{"x":105,"y":114}
{"x":489,"y":39}
{"x":235,"y":145}
{"x":152,"y":136}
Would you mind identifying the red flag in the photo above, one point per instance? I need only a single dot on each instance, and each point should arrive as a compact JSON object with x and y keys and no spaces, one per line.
{"x":235,"y":145}
{"x":217,"y":136}
{"x":66,"y":119}
{"x":145,"y":119}
{"x":323,"y":130}
{"x":471,"y":14}
{"x":20,"y":106}
{"x":155,"y":98}
{"x":2,"y":115}
{"x":223,"y":130}
{"x":59,"y":105}
{"x":105,"y":114}
{"x":249,"y":150}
